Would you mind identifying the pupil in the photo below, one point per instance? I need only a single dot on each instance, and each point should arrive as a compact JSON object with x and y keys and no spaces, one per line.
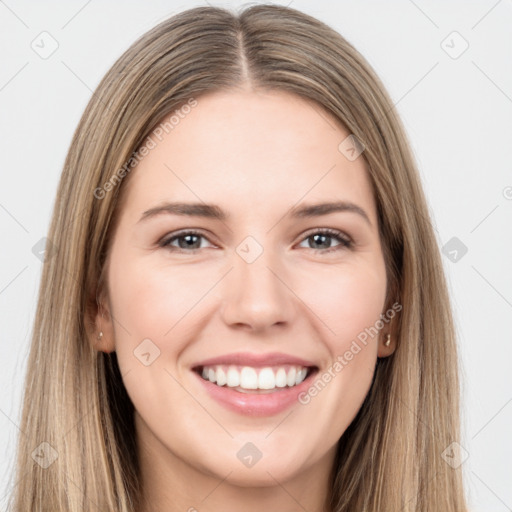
{"x":188,"y":240}
{"x":315,"y":237}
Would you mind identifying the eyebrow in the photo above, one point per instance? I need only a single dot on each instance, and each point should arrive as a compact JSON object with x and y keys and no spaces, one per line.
{"x":212,"y":211}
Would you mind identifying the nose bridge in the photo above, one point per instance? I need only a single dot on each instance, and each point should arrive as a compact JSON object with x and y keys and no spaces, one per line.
{"x":255,"y":292}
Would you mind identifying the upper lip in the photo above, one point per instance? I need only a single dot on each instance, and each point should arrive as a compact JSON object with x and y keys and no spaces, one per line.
{"x":256,"y":360}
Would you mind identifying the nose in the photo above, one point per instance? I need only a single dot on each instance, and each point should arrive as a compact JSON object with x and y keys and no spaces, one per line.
{"x":257,"y":295}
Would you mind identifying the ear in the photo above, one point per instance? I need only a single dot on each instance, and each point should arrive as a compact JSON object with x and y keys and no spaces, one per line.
{"x":103,"y":332}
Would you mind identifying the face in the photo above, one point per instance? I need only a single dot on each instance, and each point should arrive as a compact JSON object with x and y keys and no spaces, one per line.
{"x":255,"y":285}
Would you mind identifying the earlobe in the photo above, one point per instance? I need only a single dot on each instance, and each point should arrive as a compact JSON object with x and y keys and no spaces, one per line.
{"x":102,"y":344}
{"x":103,"y":334}
{"x":387,"y":346}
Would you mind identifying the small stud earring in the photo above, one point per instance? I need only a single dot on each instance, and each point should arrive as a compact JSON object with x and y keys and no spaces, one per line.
{"x":100,"y":335}
{"x":388,"y":340}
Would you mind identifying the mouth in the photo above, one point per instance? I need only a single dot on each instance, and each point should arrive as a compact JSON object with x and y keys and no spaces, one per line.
{"x":256,"y":380}
{"x":255,"y":384}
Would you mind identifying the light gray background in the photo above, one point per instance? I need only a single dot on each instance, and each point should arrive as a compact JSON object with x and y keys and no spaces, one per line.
{"x":457,"y":112}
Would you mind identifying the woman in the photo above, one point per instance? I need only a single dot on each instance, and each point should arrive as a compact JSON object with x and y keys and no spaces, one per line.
{"x":252,"y":370}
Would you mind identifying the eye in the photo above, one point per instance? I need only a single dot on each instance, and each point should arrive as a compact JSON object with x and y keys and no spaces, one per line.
{"x":187,"y":241}
{"x":323,"y":237}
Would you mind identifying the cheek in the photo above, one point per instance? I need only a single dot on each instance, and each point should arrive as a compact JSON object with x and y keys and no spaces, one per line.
{"x":156,"y":303}
{"x":348,"y":300}
{"x":151,"y":299}
{"x":349,"y":306}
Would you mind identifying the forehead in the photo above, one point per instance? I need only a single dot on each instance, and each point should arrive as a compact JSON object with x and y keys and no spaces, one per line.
{"x":251,"y":151}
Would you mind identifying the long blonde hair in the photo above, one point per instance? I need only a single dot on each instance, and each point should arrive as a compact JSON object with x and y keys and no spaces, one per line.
{"x":390,"y":458}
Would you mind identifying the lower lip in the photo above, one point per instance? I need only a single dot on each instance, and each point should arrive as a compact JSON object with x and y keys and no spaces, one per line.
{"x":254,"y":404}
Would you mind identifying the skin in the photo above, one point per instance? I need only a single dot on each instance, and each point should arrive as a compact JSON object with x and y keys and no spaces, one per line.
{"x":256,"y":155}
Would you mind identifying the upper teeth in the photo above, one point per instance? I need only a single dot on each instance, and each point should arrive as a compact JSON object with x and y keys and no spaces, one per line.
{"x":248,"y":377}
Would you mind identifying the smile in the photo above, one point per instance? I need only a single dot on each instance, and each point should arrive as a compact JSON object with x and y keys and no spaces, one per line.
{"x":254,"y":391}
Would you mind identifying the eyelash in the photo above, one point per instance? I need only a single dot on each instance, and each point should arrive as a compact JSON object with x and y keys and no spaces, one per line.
{"x":345,"y":241}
